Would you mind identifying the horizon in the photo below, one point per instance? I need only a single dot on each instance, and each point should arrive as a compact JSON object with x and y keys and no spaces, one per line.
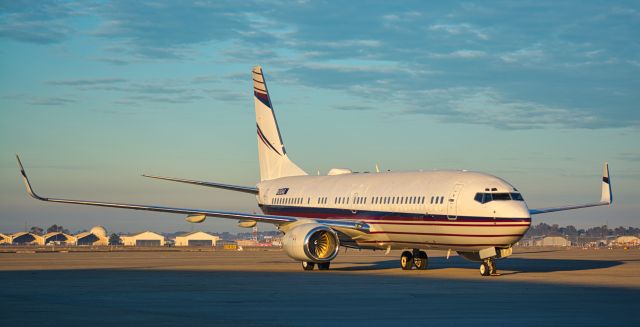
{"x":95,"y":94}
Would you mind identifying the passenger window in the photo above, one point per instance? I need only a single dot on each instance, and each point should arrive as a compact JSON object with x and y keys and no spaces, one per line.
{"x":431,"y":200}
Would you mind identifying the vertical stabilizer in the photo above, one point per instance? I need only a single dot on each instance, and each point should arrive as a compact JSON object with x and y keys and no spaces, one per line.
{"x":274,"y":162}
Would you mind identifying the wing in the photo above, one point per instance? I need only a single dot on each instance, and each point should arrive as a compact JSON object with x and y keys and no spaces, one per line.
{"x":245,"y":189}
{"x":277,"y":220}
{"x":606,"y":197}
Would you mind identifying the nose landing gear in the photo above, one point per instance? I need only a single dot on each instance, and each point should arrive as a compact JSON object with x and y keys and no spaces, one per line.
{"x":415,"y":258}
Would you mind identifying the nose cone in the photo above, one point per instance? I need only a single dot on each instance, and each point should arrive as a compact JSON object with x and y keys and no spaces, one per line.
{"x":511,"y":209}
{"x":520,"y":210}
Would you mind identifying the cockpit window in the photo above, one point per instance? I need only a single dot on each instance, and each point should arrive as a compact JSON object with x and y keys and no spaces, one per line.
{"x":516,"y":197}
{"x":488,"y":197}
{"x":501,"y":197}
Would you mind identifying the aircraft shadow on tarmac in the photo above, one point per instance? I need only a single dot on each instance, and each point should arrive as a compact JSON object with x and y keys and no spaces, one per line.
{"x":511,"y":265}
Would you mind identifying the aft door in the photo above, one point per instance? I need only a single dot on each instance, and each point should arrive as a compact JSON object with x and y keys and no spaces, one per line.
{"x":452,"y":202}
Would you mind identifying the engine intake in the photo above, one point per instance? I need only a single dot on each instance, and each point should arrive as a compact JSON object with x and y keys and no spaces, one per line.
{"x":311,"y":242}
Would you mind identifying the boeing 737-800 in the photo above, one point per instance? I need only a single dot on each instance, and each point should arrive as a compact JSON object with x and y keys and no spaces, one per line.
{"x":478,"y":215}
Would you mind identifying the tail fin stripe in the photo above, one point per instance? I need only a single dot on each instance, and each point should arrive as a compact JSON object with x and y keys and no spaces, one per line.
{"x":264,"y":98}
{"x":265,"y":141}
{"x":257,"y":81}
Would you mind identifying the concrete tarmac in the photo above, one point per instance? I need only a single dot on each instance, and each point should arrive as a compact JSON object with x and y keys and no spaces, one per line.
{"x":538,"y":287}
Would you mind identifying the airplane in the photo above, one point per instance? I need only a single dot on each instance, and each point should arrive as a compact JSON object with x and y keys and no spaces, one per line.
{"x":477,"y":215}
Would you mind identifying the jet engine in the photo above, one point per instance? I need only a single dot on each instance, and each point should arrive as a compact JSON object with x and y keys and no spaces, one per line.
{"x":312,"y":243}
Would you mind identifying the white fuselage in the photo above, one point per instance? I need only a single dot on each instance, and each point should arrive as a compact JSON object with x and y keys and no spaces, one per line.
{"x":435,"y":209}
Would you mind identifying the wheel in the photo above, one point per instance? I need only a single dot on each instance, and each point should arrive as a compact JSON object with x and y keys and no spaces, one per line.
{"x":307,"y":265}
{"x":406,"y":260}
{"x":421,"y":260}
{"x":324,"y":266}
{"x":485,"y":270}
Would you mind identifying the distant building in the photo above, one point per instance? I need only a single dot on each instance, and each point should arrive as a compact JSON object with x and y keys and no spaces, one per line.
{"x":26,"y":238}
{"x":59,"y":238}
{"x":96,"y":236}
{"x":245,"y":243}
{"x":146,"y":238}
{"x":552,"y":241}
{"x":5,"y":239}
{"x":196,"y":239}
{"x":626,"y":241}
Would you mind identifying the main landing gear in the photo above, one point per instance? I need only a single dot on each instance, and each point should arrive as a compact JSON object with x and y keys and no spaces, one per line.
{"x":488,"y":267}
{"x":321,"y":266}
{"x":415,"y":258}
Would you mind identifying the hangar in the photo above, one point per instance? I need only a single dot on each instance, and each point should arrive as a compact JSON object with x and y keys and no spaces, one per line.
{"x":58,"y":238}
{"x":96,"y":236}
{"x":196,"y":239}
{"x":146,"y":238}
{"x":553,"y":241}
{"x":25,"y":238}
{"x":5,"y":239}
{"x":627,"y":240}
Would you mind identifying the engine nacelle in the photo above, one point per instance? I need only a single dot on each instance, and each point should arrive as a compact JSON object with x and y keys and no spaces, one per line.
{"x":311,"y":242}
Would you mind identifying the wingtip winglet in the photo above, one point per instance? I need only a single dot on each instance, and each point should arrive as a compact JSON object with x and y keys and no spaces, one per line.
{"x":607,"y":196}
{"x":25,"y":179}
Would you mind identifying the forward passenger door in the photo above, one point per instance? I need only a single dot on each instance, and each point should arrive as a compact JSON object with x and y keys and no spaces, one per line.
{"x":452,"y":202}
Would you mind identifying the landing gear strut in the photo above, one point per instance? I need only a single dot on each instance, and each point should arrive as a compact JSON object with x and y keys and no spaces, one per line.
{"x":416,"y":258}
{"x":306,"y":265}
{"x":488,"y":267}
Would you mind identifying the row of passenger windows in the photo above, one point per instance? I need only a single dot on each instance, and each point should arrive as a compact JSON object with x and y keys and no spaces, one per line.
{"x":488,"y":197}
{"x":363,"y":200}
{"x":287,"y":201}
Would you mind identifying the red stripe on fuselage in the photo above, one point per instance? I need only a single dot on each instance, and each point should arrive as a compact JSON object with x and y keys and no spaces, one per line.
{"x":444,"y":234}
{"x":430,"y":243}
{"x":446,"y":224}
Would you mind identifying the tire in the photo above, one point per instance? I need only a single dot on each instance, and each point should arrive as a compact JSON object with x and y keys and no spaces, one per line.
{"x":406,"y":260}
{"x":324,"y":265}
{"x":485,"y":270}
{"x":421,"y":261}
{"x":307,"y":265}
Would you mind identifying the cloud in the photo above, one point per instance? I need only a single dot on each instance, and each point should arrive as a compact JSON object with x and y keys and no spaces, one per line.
{"x":226,"y":95}
{"x":52,"y":101}
{"x":460,"y":54}
{"x":164,"y":29}
{"x":487,"y":106}
{"x":40,"y":22}
{"x":94,"y":81}
{"x":460,"y":29}
{"x":523,"y":56}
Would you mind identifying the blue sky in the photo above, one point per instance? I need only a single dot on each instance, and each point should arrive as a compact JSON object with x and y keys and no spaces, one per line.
{"x":93,"y":94}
